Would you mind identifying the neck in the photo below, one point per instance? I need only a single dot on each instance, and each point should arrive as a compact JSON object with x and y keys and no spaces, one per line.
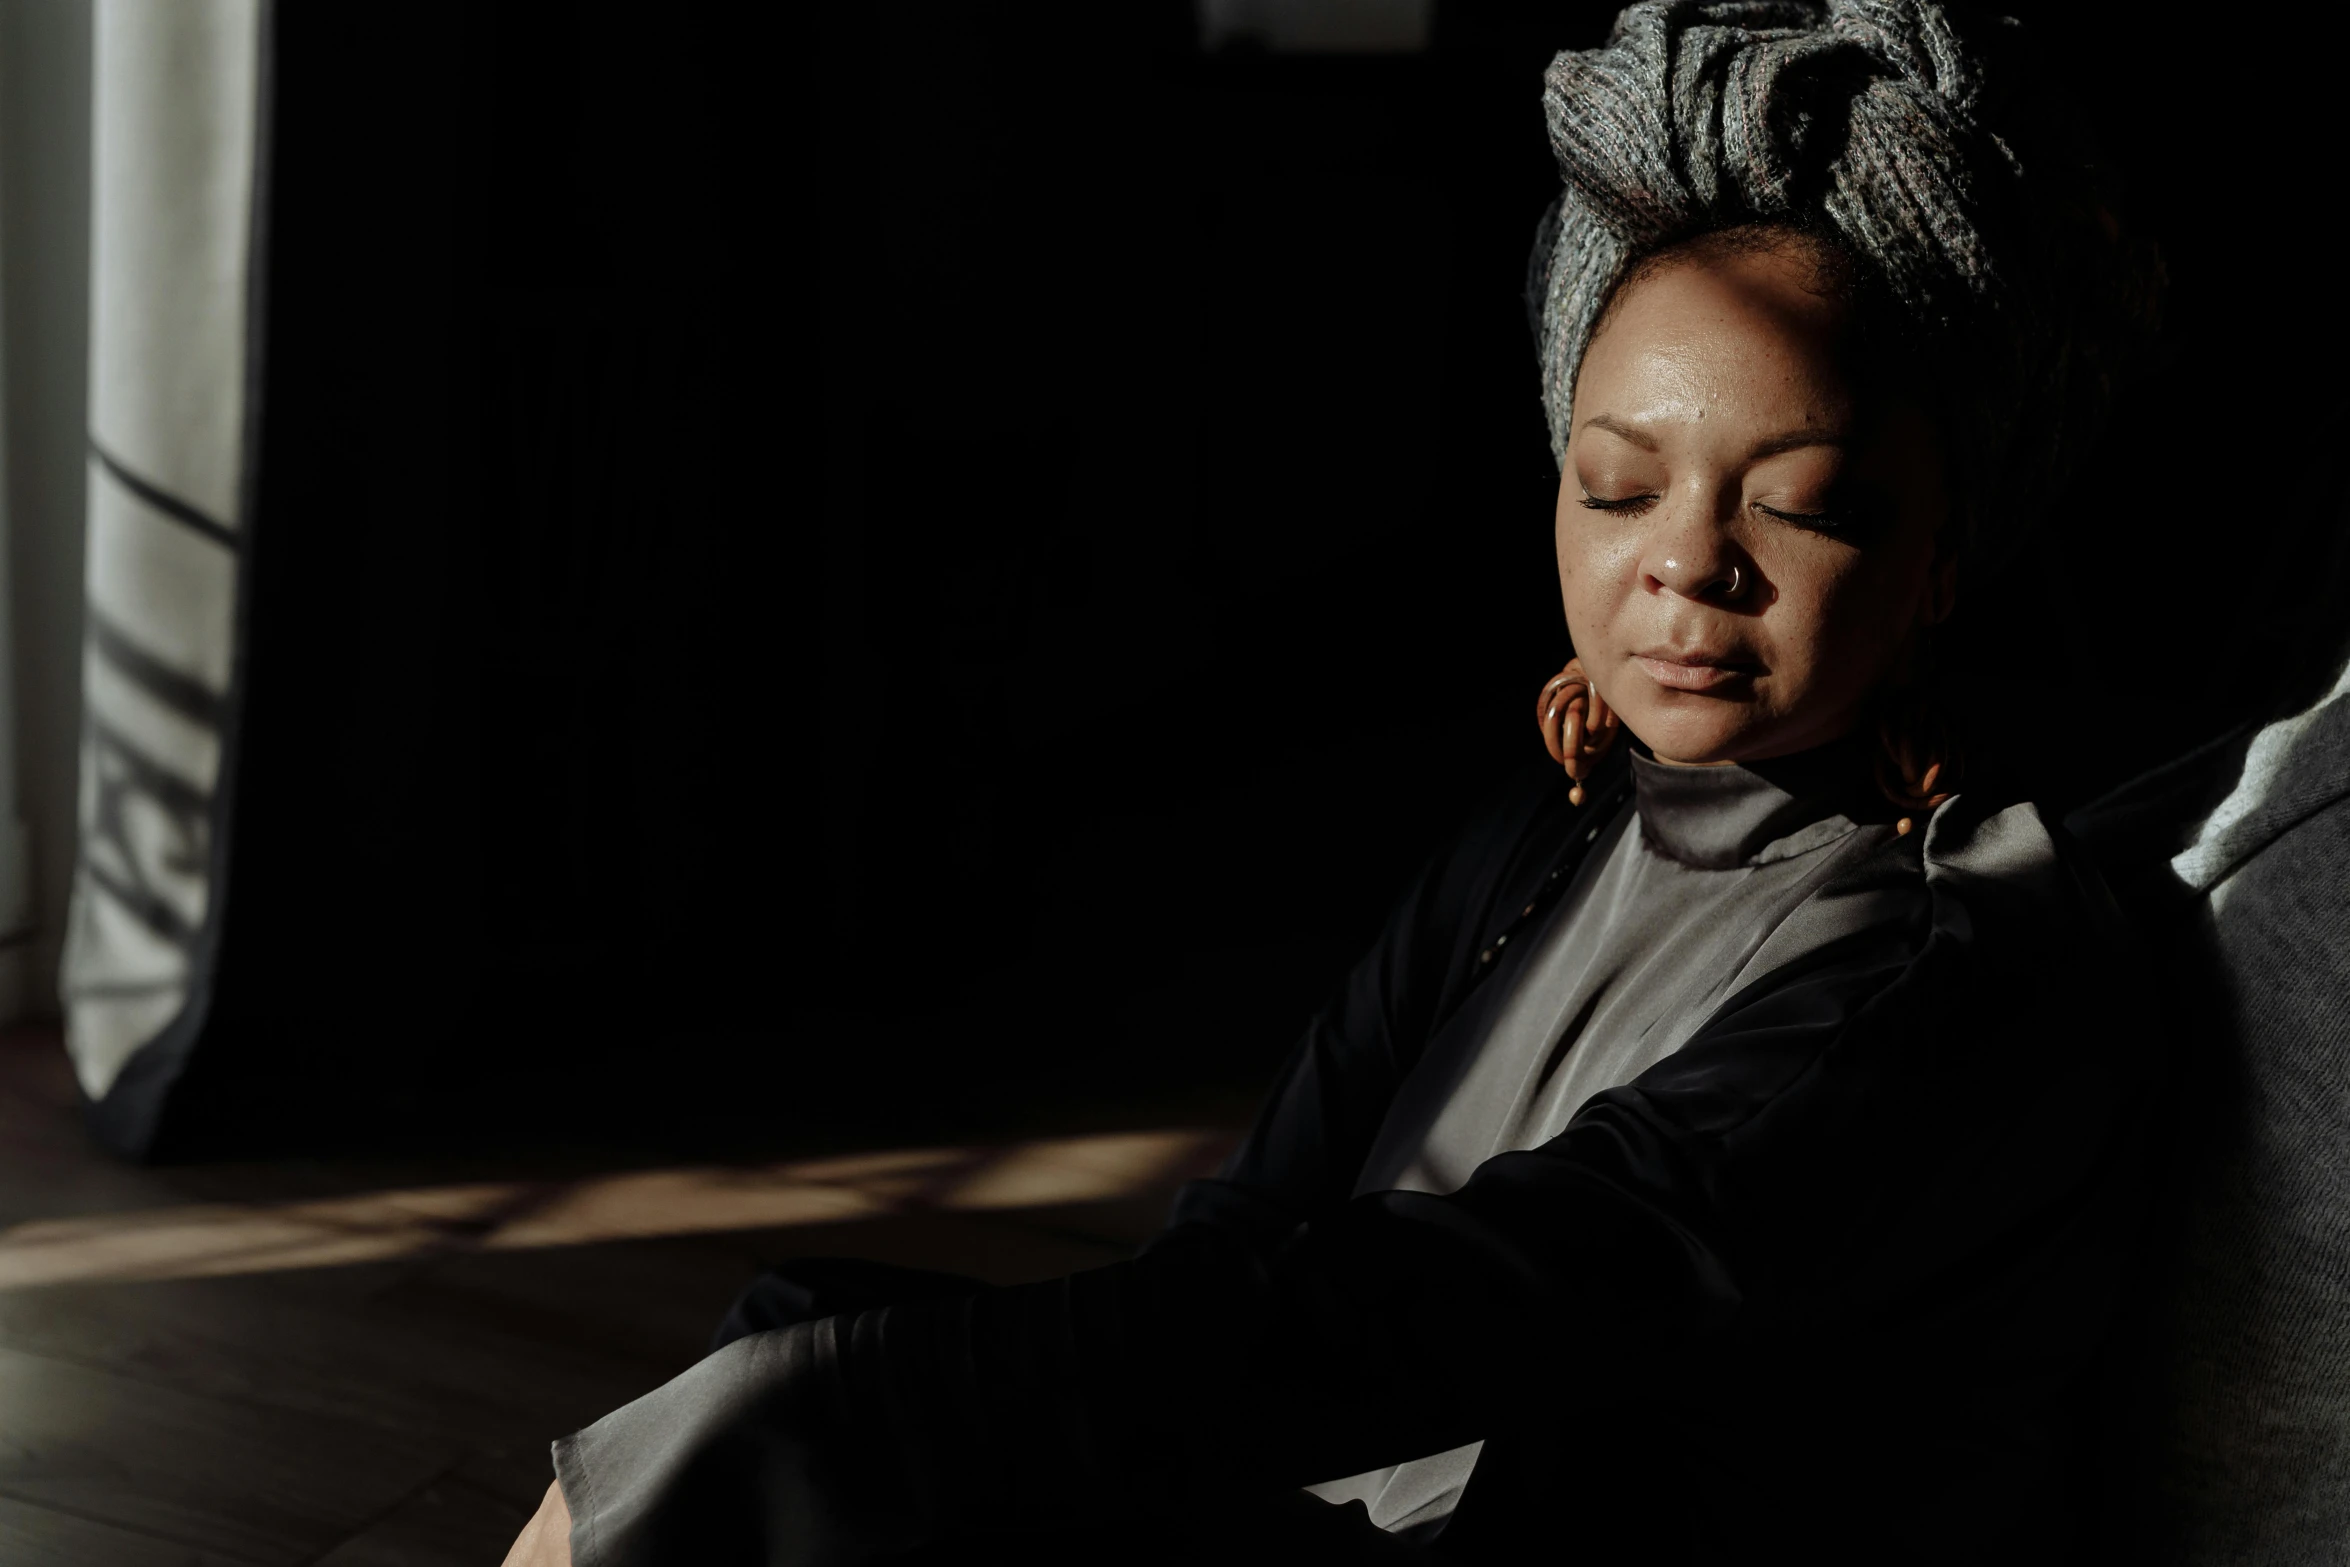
{"x":1721,"y":815}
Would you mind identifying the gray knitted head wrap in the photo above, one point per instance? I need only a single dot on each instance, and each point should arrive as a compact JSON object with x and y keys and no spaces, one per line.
{"x":1965,"y":195}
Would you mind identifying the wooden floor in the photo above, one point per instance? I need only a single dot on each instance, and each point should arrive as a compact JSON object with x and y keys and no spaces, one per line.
{"x":361,"y":1363}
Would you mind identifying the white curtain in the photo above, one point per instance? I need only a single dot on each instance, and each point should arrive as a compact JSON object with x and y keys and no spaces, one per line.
{"x":176,"y":120}
{"x":16,"y":921}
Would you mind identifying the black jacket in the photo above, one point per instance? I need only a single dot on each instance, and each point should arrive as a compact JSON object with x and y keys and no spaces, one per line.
{"x":1824,"y":1282}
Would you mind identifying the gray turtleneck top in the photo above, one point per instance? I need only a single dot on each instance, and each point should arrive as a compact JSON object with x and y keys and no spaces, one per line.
{"x":1682,"y":901}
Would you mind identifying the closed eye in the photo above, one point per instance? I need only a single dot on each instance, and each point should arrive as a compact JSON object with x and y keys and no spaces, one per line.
{"x":1842,"y":521}
{"x":1629,"y":505}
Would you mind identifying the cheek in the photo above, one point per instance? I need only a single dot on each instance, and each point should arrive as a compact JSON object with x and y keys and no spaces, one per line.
{"x":1844,"y":620}
{"x":1594,"y":564}
{"x":1568,"y":544}
{"x":1591,"y":547}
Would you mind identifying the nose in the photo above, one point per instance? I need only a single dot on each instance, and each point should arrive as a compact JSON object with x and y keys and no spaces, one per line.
{"x":1699,"y":563}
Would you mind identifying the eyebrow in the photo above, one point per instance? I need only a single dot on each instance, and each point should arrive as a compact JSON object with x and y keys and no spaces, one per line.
{"x":1794,"y":440}
{"x":1791,"y":441}
{"x":1617,"y":427}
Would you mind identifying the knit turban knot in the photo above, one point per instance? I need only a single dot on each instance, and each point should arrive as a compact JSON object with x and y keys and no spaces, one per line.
{"x":1966,"y":193}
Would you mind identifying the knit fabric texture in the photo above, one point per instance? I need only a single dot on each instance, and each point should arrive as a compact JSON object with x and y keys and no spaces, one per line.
{"x":1936,"y":159}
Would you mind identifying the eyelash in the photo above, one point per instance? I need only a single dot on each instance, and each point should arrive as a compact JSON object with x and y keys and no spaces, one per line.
{"x":1630,"y":505}
{"x":1817,"y":521}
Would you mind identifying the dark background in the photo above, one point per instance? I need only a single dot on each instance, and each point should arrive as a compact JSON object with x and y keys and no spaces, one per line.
{"x":928,"y":562}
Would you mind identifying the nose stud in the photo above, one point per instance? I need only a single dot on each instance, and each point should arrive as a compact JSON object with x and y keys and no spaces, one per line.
{"x":1730,"y":589}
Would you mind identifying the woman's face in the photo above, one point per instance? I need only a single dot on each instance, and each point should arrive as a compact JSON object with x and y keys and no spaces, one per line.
{"x":1744,"y":543}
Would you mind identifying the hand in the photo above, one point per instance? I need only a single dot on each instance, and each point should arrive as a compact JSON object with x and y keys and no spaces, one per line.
{"x":546,"y":1539}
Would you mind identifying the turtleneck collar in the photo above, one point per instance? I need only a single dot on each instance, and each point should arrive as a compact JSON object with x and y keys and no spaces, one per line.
{"x":1718,"y":818}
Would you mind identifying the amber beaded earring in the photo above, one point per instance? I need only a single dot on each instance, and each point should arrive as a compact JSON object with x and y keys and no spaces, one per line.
{"x":1577,"y":724}
{"x":1918,"y":759}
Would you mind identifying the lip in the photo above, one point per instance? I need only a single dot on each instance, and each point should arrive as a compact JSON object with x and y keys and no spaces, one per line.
{"x":1693,"y":671}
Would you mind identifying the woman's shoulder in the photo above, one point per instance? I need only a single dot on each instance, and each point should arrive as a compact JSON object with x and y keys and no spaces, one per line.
{"x":1989,"y":848}
{"x":1981,"y":869}
{"x":1987,"y":922}
{"x":2017,"y":894}
{"x":1976,"y":978}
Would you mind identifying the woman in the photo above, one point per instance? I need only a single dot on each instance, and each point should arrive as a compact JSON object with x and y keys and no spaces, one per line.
{"x":1727,"y":1149}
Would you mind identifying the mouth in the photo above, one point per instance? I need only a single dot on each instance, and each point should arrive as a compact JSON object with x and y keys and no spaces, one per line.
{"x":1678,"y":671}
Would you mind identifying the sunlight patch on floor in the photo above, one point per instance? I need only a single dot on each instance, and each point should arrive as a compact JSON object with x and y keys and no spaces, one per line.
{"x":212,"y":1239}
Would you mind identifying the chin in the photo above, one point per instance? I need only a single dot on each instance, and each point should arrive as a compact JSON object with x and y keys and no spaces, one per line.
{"x":1688,"y":737}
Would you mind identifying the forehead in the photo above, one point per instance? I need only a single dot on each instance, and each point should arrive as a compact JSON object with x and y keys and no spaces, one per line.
{"x":1748,"y":336}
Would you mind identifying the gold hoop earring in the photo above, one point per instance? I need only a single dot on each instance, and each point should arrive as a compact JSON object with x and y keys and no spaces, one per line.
{"x":1577,"y":724}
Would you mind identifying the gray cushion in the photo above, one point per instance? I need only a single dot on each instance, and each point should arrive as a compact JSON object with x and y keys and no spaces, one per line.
{"x":2232,"y":1386}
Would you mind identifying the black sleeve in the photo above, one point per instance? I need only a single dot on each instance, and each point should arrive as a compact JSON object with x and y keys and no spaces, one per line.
{"x":1317,"y":1126}
{"x":1839,"y":1139}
